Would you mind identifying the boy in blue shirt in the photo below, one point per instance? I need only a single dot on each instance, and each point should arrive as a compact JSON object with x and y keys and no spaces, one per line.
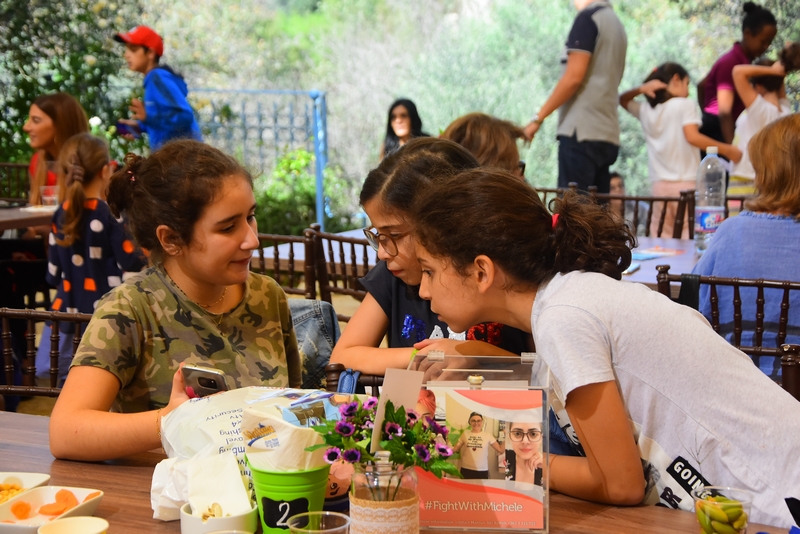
{"x":165,"y":113}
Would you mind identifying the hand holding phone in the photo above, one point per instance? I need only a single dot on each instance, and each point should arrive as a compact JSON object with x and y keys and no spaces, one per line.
{"x":204,"y":381}
{"x":125,"y":128}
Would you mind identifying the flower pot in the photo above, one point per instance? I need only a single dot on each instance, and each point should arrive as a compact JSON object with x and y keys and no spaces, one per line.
{"x":384,"y":498}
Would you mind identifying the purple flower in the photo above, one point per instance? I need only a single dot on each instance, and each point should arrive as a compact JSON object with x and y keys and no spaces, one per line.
{"x":368,"y":424}
{"x":351,"y":455}
{"x":392,"y":430}
{"x":423,"y":452}
{"x":345,"y":429}
{"x":436,"y":428}
{"x":444,"y":450}
{"x":412,"y":417}
{"x":371,"y":403}
{"x":333,"y":455}
{"x":349,"y":409}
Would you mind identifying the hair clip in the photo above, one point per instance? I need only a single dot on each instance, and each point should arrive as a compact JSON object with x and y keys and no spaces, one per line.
{"x":555,"y":220}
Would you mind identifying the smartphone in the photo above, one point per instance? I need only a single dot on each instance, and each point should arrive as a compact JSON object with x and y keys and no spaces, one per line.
{"x":126,"y":129}
{"x":204,"y":381}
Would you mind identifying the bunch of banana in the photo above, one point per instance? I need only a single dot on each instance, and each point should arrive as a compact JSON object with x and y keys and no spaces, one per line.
{"x":721,"y":515}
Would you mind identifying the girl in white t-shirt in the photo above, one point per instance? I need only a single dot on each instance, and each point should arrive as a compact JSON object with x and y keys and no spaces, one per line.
{"x":671,"y":125}
{"x":761,"y":89}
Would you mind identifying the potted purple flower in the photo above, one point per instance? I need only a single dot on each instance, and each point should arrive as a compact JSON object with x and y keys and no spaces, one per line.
{"x":385,"y":482}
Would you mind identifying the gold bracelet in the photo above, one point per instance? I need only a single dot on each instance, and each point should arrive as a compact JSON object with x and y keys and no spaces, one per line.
{"x":158,"y":423}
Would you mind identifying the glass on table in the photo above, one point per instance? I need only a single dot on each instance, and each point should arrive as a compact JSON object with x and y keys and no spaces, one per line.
{"x":721,"y":509}
{"x":312,"y":522}
{"x":49,"y":195}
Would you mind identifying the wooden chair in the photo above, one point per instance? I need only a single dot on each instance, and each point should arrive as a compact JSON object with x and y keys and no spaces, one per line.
{"x":14,"y":182}
{"x":735,"y":203}
{"x":685,"y":206}
{"x":291,"y":262}
{"x":757,"y":349}
{"x":790,"y":369}
{"x":340,"y":262}
{"x":27,"y":357}
{"x":333,"y":370}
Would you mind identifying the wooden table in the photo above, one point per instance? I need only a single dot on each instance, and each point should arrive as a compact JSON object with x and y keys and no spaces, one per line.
{"x":679,"y":263}
{"x":11,"y":218}
{"x":126,"y":483}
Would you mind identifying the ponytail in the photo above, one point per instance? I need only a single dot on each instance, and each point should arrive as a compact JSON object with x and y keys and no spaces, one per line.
{"x":664,"y":73}
{"x":494,"y":213}
{"x":81,"y":162}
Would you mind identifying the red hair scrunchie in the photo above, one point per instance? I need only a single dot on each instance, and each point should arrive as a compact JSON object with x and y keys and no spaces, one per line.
{"x":555,"y":219}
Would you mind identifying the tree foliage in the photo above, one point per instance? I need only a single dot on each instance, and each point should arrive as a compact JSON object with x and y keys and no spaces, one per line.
{"x":64,"y":46}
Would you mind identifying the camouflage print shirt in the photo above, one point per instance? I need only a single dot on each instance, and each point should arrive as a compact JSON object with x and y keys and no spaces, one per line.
{"x":143,"y":329}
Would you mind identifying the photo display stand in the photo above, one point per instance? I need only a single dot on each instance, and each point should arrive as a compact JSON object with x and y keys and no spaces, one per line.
{"x":497,"y":412}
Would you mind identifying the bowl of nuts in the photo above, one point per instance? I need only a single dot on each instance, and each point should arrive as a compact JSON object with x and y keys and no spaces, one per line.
{"x":14,"y":483}
{"x":215,"y":519}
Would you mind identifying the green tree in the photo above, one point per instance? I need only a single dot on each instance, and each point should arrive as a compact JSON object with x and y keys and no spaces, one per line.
{"x":65,"y":46}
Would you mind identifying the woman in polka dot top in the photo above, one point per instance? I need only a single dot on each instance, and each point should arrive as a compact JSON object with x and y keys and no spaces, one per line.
{"x":89,"y":249}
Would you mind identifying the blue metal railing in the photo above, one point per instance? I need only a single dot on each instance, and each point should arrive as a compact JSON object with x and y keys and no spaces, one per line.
{"x":257,"y":126}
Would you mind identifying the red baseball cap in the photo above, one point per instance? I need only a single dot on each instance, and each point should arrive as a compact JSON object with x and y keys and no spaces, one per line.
{"x":142,"y":36}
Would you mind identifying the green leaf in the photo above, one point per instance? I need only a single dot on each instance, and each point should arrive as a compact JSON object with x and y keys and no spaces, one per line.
{"x":317,"y":447}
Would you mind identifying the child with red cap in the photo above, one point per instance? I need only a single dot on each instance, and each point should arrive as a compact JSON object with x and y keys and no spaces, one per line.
{"x":165,"y":113}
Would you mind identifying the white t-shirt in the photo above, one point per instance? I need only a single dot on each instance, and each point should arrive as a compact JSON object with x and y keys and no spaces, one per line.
{"x":700,"y":410}
{"x":750,"y":122}
{"x":670,"y":157}
{"x":475,"y":452}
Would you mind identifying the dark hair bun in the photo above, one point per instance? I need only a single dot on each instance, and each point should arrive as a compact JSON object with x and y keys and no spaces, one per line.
{"x":120,"y":190}
{"x":749,"y":7}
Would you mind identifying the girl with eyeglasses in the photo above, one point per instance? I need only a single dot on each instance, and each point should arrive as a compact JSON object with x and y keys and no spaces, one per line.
{"x":392,"y":307}
{"x":473,"y":444}
{"x":525,"y":460}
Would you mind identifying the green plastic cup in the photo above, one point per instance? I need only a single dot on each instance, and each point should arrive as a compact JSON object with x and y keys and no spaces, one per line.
{"x":281,"y":495}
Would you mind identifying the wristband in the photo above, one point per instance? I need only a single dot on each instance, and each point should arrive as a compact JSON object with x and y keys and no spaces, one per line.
{"x":537,"y":119}
{"x":158,"y":424}
{"x":414,"y":353}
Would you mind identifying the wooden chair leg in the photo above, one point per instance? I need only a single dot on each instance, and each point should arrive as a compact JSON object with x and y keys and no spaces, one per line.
{"x":790,"y":369}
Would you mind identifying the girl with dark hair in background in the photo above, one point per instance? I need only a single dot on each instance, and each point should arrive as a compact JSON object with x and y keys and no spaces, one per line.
{"x":192,"y":208}
{"x":646,"y":384}
{"x":716,"y":93}
{"x":671,"y":125}
{"x":392,"y":308}
{"x":403,"y":125}
{"x":89,"y":249}
{"x":51,"y":121}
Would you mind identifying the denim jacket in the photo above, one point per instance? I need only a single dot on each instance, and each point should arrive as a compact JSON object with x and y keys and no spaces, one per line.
{"x":317,"y":331}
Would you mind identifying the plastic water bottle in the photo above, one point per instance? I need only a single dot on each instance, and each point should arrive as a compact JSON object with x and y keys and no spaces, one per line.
{"x":709,"y":210}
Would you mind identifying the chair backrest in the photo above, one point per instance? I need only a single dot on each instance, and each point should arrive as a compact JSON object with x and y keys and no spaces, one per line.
{"x":14,"y":181}
{"x":684,"y":210}
{"x":22,"y":323}
{"x":757,"y":349}
{"x":333,"y":370}
{"x":341,"y":261}
{"x":735,"y":203}
{"x":289,"y":260}
{"x":549,"y":193}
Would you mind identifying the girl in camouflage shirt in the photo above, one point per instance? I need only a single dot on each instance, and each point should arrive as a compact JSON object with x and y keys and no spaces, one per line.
{"x":192,"y":208}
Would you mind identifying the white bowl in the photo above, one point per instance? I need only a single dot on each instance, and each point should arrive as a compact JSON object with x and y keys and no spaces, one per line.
{"x":75,"y":525}
{"x":192,"y":524}
{"x":42,"y":495}
{"x":24,"y":480}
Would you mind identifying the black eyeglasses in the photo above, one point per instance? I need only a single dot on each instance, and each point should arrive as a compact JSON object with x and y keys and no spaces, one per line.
{"x":533,"y":434}
{"x":473,"y":421}
{"x":387,"y":241}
